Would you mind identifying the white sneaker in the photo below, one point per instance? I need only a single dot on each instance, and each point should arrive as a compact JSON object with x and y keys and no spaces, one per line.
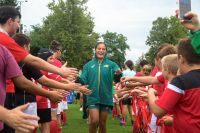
{"x":81,"y":109}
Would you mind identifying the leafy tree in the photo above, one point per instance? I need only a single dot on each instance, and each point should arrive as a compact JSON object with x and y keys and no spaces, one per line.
{"x":38,"y":39}
{"x":117,"y":46}
{"x":71,"y":25}
{"x":8,"y":2}
{"x":164,"y":30}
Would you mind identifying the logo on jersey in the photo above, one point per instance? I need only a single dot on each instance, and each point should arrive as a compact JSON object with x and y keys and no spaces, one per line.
{"x":106,"y":66}
{"x":93,"y":66}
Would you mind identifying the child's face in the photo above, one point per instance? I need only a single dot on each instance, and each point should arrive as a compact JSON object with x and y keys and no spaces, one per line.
{"x":50,"y":59}
{"x":57,"y":54}
{"x":146,"y":70}
{"x":158,"y":63}
{"x":165,"y":73}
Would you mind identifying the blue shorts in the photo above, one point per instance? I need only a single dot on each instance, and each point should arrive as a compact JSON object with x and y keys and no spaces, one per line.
{"x":101,"y":107}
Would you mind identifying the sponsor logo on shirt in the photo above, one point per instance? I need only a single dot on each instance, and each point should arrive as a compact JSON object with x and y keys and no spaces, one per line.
{"x":93,"y":66}
{"x":106,"y":66}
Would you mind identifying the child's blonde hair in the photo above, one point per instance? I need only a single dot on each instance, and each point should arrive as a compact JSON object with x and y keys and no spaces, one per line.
{"x":169,"y":63}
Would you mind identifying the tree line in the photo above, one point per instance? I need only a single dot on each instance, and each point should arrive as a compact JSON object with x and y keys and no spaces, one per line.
{"x":70,"y":23}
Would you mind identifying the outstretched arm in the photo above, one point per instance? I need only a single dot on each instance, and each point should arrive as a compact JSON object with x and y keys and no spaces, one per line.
{"x":27,"y":85}
{"x":43,"y":65}
{"x":159,"y":112}
{"x":142,"y":79}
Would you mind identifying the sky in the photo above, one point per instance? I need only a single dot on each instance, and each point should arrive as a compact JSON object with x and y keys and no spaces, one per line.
{"x":132,"y":18}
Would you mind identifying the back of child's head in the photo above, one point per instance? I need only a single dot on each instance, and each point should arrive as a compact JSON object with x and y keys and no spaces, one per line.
{"x":22,"y":39}
{"x":129,"y":64}
{"x":143,"y":62}
{"x":170,"y":64}
{"x":167,"y":50}
{"x":186,"y":50}
{"x":44,"y":53}
{"x":55,"y":46}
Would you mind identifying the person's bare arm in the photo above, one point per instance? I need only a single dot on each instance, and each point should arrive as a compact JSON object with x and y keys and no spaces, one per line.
{"x":58,"y":85}
{"x":43,"y":65}
{"x":143,"y":79}
{"x":32,"y":88}
{"x":159,"y":112}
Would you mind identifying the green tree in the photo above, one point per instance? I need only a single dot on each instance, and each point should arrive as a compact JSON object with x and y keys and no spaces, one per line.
{"x":117,"y":46}
{"x":38,"y":39}
{"x":164,"y":30}
{"x":8,"y":2}
{"x":71,"y":24}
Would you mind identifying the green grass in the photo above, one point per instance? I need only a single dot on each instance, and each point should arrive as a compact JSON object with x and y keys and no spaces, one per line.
{"x":75,"y":123}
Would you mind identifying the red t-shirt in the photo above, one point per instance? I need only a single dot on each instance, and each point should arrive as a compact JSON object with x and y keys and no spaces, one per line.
{"x":43,"y":102}
{"x":55,"y":77}
{"x":159,"y":87}
{"x":16,"y":50}
{"x":154,"y":71}
{"x":57,"y":63}
{"x":10,"y":88}
{"x":139,"y":74}
{"x":182,"y":98}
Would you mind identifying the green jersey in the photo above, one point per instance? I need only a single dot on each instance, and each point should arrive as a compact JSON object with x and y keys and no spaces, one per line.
{"x":99,"y":78}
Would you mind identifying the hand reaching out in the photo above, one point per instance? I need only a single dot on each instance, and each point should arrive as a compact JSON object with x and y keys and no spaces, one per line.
{"x":20,"y":121}
{"x":69,"y":72}
{"x":83,"y":89}
{"x":124,"y":79}
{"x":55,"y":96}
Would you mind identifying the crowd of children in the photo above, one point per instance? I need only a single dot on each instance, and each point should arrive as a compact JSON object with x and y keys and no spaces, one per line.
{"x":167,"y":101}
{"x":160,"y":100}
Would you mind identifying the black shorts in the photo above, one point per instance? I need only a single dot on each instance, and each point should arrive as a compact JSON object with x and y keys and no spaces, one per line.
{"x":78,"y":96}
{"x":10,"y":101}
{"x":44,"y":114}
{"x":127,"y":101}
{"x":7,"y":129}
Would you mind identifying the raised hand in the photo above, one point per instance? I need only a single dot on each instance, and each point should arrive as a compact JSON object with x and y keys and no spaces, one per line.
{"x":124,"y":79}
{"x":55,"y":96}
{"x":69,"y":72}
{"x":63,"y":92}
{"x":83,"y":89}
{"x":193,"y":23}
{"x":74,"y":86}
{"x":168,"y":120}
{"x":140,"y":92}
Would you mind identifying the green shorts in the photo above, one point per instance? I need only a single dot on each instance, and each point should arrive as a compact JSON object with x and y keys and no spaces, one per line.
{"x":101,"y":107}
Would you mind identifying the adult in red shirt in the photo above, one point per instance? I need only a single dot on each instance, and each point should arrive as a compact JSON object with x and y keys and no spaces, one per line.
{"x":9,"y":24}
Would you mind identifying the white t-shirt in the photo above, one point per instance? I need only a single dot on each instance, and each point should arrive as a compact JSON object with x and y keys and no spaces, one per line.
{"x":128,"y":72}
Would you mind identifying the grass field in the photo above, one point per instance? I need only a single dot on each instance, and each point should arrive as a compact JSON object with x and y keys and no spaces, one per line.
{"x":75,"y":123}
